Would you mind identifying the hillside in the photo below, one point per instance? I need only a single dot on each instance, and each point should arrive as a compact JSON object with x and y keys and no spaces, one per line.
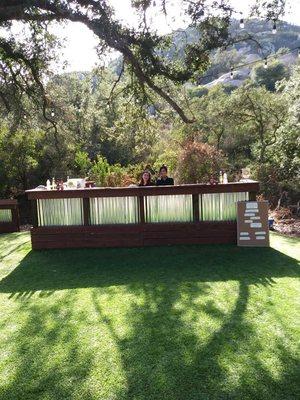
{"x":286,"y":39}
{"x":283,"y":47}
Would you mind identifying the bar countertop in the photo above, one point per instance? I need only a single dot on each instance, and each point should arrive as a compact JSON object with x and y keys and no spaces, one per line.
{"x":231,"y":187}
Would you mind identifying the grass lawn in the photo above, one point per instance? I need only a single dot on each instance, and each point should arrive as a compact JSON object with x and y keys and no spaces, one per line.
{"x":173,"y":323}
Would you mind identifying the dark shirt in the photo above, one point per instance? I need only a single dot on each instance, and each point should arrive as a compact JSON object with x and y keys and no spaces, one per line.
{"x":148,"y":184}
{"x":167,"y":181}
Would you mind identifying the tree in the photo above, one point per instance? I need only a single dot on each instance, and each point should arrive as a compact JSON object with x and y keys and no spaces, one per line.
{"x":222,"y":60}
{"x":214,"y":116}
{"x":82,"y":163}
{"x":261,"y":114}
{"x":286,"y":150}
{"x":197,"y":162}
{"x":268,"y":77}
{"x":141,"y":48}
{"x":19,"y":158}
{"x":122,"y":132}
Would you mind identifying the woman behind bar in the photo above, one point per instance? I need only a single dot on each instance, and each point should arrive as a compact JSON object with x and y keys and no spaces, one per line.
{"x":163,"y":177}
{"x":146,"y":179}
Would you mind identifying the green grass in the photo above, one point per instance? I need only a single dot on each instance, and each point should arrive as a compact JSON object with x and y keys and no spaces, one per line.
{"x":180,"y":323}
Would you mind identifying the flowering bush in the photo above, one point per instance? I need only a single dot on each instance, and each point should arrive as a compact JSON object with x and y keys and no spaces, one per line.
{"x":197,"y":162}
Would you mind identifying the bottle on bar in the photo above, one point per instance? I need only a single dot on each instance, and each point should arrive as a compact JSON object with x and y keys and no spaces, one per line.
{"x":53,"y":184}
{"x":225,"y":179}
{"x":48,"y":184}
{"x":221,"y":177}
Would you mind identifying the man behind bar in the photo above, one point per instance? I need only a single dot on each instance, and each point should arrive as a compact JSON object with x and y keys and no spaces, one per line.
{"x":163,"y":177}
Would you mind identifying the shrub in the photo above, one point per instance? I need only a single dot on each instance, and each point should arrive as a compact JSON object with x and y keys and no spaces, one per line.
{"x":99,"y":171}
{"x":272,"y":183}
{"x":82,"y":163}
{"x":113,"y":175}
{"x":197,"y":162}
{"x":114,"y":178}
{"x":268,"y":77}
{"x":198,"y":91}
{"x":282,"y":213}
{"x":170,"y":158}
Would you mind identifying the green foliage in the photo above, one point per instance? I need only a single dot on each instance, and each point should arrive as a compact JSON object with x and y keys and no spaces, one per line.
{"x":135,"y":134}
{"x":99,"y":170}
{"x":261,"y":114}
{"x":168,"y":157}
{"x":198,"y":91}
{"x":229,"y":88}
{"x":222,"y":60}
{"x":113,"y":141}
{"x":144,"y":52}
{"x":215,"y":116}
{"x":82,"y":163}
{"x":285,"y":152}
{"x":105,"y":174}
{"x":19,"y":154}
{"x":269,"y":76}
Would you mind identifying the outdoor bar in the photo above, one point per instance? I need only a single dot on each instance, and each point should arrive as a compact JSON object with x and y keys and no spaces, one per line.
{"x":137,"y":216}
{"x":9,"y":216}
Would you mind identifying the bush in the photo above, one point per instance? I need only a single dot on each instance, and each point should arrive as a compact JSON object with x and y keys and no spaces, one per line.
{"x":82,"y":163}
{"x":99,"y":171}
{"x":169,"y":158}
{"x":198,"y":91}
{"x":197,"y":162}
{"x":229,"y":88}
{"x":272,"y":183}
{"x":105,"y":174}
{"x":282,"y":213}
{"x":114,"y":175}
{"x":114,"y":178}
{"x":268,"y":77}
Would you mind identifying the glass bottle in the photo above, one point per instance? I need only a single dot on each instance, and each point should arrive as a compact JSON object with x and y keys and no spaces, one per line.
{"x":221,"y":177}
{"x":225,"y":179}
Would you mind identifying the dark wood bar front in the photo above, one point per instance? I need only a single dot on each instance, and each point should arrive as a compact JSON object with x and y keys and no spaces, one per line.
{"x":9,"y":216}
{"x":137,"y":216}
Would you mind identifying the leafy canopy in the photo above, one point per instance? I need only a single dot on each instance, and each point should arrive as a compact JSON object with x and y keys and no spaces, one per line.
{"x":23,"y":64}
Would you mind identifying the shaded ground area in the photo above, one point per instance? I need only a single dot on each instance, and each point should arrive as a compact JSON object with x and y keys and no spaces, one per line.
{"x":182,"y":322}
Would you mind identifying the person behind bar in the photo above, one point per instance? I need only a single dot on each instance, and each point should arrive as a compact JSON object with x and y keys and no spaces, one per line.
{"x":146,"y":179}
{"x":163,"y":177}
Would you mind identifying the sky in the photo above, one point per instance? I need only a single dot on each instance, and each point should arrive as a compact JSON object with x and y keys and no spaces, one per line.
{"x":79,"y":51}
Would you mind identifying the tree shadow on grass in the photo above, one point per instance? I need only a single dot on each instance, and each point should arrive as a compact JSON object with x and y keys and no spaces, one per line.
{"x":164,"y":357}
{"x":169,"y":351}
{"x":39,"y":371}
{"x":11,"y":243}
{"x":53,"y":270}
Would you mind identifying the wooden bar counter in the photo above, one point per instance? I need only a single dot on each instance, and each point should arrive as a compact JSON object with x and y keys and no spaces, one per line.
{"x":137,"y":216}
{"x":9,"y":216}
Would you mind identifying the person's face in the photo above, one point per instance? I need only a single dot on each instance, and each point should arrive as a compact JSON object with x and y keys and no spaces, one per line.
{"x":146,"y":176}
{"x":163,"y":173}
